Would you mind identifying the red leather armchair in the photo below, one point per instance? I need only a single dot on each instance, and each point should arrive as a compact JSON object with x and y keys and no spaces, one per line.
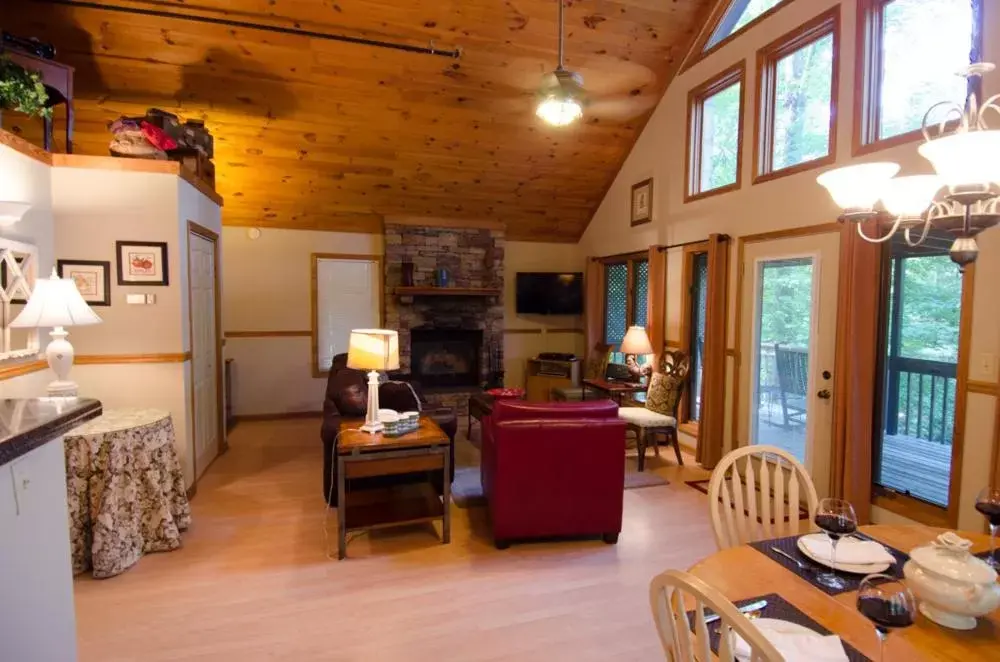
{"x":554,"y":469}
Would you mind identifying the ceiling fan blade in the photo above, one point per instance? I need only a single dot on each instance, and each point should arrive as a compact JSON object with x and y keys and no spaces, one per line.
{"x":621,"y":108}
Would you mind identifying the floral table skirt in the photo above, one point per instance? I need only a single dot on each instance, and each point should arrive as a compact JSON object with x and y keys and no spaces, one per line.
{"x":125,"y":490}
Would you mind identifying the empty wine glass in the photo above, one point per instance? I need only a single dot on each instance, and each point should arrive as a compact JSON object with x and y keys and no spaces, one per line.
{"x":988,"y":503}
{"x":836,"y":518}
{"x":888,"y":604}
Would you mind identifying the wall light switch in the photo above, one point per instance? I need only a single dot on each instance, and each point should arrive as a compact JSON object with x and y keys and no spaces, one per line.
{"x":135,"y":299}
{"x":150,"y":298}
{"x":988,"y":366}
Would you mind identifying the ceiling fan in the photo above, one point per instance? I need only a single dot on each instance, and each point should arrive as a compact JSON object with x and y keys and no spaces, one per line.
{"x":562,"y":97}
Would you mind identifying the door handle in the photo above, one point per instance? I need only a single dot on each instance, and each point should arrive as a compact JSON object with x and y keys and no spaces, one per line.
{"x":824,"y":394}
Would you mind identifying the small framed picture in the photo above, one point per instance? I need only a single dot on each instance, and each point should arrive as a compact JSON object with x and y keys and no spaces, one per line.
{"x":142,"y":263}
{"x":92,"y":278}
{"x":642,"y":202}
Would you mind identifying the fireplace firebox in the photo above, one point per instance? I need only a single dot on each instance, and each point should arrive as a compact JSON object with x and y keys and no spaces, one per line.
{"x":443,"y":358}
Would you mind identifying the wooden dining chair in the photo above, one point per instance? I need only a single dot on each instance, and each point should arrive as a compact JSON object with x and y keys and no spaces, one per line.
{"x":754,"y":494}
{"x":667,"y":594}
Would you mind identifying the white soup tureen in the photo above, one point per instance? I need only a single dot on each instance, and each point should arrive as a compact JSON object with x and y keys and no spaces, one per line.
{"x":953,"y":586}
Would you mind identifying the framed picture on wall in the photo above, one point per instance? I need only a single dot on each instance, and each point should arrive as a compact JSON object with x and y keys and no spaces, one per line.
{"x":92,"y":278}
{"x":142,"y":263}
{"x":642,"y":202}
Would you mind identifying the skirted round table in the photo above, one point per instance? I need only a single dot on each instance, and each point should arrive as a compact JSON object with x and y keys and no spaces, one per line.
{"x":125,"y":490}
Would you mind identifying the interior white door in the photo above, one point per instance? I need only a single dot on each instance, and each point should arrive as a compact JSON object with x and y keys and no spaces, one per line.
{"x":788,"y":339}
{"x":347,"y":297}
{"x":204,"y":350}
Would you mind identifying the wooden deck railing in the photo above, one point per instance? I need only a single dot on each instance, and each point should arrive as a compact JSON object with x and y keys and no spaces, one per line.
{"x":920,"y":399}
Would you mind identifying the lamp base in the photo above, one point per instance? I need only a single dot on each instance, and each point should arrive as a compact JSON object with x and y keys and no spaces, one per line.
{"x":62,"y":389}
{"x":59,"y":353}
{"x":372,"y":424}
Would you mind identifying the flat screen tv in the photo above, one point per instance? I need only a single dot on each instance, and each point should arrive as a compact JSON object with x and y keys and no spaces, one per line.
{"x":549,"y":293}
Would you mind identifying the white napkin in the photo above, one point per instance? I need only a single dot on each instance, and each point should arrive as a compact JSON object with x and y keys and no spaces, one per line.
{"x":795,"y":647}
{"x":849,"y":550}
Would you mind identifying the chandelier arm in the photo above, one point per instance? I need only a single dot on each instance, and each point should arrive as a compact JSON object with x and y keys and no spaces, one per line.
{"x":880,"y":240}
{"x":955,"y":111}
{"x":923,"y":234}
{"x":993,"y":103}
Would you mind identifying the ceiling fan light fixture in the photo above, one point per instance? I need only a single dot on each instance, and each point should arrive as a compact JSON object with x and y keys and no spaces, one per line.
{"x":559,"y":110}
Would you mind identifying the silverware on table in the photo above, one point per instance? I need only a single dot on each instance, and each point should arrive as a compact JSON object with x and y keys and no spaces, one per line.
{"x":802,"y":566}
{"x":751,"y":611}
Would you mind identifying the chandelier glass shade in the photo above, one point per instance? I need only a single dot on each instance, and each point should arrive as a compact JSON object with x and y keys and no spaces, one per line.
{"x":963,"y":197}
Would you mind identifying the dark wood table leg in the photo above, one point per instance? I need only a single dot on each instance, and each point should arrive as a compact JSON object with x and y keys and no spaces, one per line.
{"x":341,"y":509}
{"x":446,"y":522}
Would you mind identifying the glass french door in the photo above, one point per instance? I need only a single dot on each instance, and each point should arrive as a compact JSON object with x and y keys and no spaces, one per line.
{"x":789,"y":299}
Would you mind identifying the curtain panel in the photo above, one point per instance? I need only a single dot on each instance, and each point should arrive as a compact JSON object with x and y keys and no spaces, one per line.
{"x":656,"y":302}
{"x":712,"y":418}
{"x":594,"y":305}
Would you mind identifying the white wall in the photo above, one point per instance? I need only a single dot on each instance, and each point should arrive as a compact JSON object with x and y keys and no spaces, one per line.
{"x":789,"y":202}
{"x":37,"y":620}
{"x":545,"y":333}
{"x":95,"y":207}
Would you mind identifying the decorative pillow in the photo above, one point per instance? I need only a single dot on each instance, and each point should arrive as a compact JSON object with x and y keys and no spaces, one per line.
{"x":663,"y":393}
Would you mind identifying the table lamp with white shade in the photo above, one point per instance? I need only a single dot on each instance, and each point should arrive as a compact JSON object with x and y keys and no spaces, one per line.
{"x":373,"y":350}
{"x":635,"y":342}
{"x":56,"y":303}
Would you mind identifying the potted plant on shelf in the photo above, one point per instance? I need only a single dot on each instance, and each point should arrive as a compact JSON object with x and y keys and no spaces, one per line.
{"x":22,"y":90}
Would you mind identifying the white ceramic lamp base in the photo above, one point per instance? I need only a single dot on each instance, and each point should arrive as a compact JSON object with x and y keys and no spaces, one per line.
{"x":372,"y":424}
{"x":60,"y":356}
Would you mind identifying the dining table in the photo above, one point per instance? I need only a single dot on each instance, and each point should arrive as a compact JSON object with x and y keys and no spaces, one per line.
{"x":744,"y":572}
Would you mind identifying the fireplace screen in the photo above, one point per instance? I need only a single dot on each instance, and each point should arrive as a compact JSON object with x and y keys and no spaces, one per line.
{"x":445,"y":357}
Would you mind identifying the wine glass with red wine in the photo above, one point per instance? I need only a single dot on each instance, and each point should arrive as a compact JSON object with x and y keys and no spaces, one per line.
{"x":836,"y":518}
{"x":888,"y":604}
{"x":988,"y":503}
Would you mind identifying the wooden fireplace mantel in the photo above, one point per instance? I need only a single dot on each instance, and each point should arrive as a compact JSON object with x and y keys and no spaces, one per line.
{"x":422,"y":291}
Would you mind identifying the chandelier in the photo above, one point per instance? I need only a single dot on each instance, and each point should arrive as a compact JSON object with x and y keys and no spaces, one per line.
{"x":962,"y":198}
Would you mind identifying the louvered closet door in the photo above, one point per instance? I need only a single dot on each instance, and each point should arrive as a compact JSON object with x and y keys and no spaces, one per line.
{"x":347,"y":297}
{"x":204,"y":350}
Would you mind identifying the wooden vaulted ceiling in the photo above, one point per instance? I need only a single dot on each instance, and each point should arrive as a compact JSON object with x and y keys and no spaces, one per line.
{"x":319,"y":134}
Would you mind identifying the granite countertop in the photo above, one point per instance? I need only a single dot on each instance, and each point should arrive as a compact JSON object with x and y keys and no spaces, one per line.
{"x":27,"y":423}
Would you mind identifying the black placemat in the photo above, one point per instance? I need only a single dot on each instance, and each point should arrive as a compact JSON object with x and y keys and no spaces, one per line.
{"x":783,"y":610}
{"x":851,"y":581}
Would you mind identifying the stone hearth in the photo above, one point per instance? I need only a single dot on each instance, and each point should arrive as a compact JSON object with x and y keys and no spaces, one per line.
{"x":474,"y":258}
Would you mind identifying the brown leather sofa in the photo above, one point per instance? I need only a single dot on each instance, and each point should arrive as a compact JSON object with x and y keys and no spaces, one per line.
{"x":347,"y":397}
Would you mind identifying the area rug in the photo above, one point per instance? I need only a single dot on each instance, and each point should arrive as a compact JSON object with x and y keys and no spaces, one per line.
{"x":467,"y":492}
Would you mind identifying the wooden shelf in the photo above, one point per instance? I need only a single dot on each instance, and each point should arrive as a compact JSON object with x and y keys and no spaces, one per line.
{"x":415,"y":291}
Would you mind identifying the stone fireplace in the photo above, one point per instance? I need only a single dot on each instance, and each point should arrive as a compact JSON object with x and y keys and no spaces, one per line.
{"x":449,"y":343}
{"x":445,"y":357}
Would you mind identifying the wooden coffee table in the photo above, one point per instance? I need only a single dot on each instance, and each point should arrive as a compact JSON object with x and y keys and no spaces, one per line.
{"x":363,"y":455}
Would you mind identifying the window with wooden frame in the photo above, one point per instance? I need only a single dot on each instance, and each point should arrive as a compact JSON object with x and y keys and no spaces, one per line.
{"x":729,"y":20}
{"x":694,"y":284}
{"x":925,"y":324}
{"x":715,"y":134}
{"x":626,"y":287}
{"x":899,"y":75}
{"x":795,"y":124}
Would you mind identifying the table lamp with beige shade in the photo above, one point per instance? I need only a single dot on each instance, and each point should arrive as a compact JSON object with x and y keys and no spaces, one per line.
{"x":373,"y":350}
{"x":56,"y":303}
{"x":635,"y":342}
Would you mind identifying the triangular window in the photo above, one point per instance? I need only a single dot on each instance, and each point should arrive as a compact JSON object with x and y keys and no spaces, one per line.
{"x":738,"y":16}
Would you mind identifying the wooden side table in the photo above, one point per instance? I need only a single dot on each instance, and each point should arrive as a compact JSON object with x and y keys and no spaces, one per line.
{"x":364,"y":455}
{"x":614,"y":390}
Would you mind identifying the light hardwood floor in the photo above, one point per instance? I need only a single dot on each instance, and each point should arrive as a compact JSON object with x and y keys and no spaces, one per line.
{"x":253,"y":581}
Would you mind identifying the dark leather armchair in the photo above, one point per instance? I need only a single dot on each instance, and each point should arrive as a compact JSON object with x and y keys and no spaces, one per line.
{"x":347,"y":397}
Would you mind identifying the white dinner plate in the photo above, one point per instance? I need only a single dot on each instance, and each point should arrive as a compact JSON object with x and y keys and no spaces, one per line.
{"x":853,"y":568}
{"x":778,"y":626}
